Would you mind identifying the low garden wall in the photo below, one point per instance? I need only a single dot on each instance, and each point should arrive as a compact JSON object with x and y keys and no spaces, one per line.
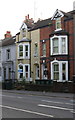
{"x":54,"y":87}
{"x":49,"y":86}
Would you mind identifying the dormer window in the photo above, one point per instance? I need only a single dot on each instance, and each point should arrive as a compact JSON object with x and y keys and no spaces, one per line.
{"x":24,"y":32}
{"x":57,"y":17}
{"x":58,"y":23}
{"x":23,"y":29}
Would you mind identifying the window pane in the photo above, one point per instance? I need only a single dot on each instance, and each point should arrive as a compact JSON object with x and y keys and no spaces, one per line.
{"x":56,"y":76}
{"x":56,"y":67}
{"x":63,"y":71}
{"x":55,"y":50}
{"x":55,"y":42}
{"x":26,"y":71}
{"x":21,"y":68}
{"x":55,"y":45}
{"x":63,"y":45}
{"x":21,"y":47}
{"x":44,"y":49}
{"x":8,"y":54}
{"x":26,"y":47}
{"x":26,"y":68}
{"x":56,"y":71}
{"x":21,"y":75}
{"x":21,"y":54}
{"x":26,"y":75}
{"x":26,"y":54}
{"x":26,"y":50}
{"x":58,"y":23}
{"x":21,"y":71}
{"x":21,"y":51}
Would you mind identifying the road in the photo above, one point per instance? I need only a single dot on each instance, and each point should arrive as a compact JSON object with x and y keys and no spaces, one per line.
{"x":17,"y":105}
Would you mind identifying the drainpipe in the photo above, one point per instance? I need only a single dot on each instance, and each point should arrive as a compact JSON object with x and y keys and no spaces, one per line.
{"x":74,"y":49}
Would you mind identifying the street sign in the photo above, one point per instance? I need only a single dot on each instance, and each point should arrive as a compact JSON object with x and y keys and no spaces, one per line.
{"x":20,"y":70}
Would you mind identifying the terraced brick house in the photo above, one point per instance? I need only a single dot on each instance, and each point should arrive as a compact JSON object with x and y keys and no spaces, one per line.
{"x":57,"y":47}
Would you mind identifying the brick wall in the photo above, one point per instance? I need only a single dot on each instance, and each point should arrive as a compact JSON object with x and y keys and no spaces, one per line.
{"x":68,"y":26}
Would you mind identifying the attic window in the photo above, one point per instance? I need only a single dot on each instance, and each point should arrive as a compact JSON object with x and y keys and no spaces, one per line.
{"x":58,"y":23}
{"x":24,"y":32}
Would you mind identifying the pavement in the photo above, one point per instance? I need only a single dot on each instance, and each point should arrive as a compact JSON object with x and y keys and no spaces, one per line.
{"x":50,"y":94}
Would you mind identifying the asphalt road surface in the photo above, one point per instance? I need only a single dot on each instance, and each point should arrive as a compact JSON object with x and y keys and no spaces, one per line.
{"x":17,"y":105}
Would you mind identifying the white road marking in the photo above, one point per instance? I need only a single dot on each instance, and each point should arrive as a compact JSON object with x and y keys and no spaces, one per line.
{"x":12,"y":96}
{"x":18,"y":109}
{"x":9,"y":96}
{"x":57,"y":102}
{"x":55,"y":107}
{"x":19,"y":97}
{"x":73,"y":111}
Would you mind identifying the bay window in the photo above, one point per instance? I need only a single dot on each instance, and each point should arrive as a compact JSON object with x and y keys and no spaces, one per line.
{"x":59,"y":45}
{"x":24,"y":71}
{"x":21,"y":51}
{"x":59,"y":70}
{"x":56,"y":71}
{"x":55,"y":45}
{"x":24,"y":51}
{"x":20,"y":71}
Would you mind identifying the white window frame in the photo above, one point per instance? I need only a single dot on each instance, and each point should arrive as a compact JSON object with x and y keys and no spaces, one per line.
{"x":24,"y":74}
{"x":27,"y":57}
{"x":58,"y":20}
{"x":20,"y":72}
{"x":7,"y":54}
{"x":18,"y":51}
{"x":24,"y":53}
{"x":60,"y":70}
{"x":43,"y":69}
{"x":28,"y":72}
{"x":59,"y":44}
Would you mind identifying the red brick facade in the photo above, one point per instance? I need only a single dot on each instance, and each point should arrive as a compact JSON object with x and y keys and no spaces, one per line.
{"x":67,"y":25}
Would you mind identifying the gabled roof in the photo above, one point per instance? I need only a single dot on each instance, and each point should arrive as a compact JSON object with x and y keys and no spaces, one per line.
{"x":8,"y":41}
{"x":57,"y":14}
{"x":23,"y":26}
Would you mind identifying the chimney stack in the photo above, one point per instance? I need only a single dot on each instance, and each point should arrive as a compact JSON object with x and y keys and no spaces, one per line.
{"x":8,"y":34}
